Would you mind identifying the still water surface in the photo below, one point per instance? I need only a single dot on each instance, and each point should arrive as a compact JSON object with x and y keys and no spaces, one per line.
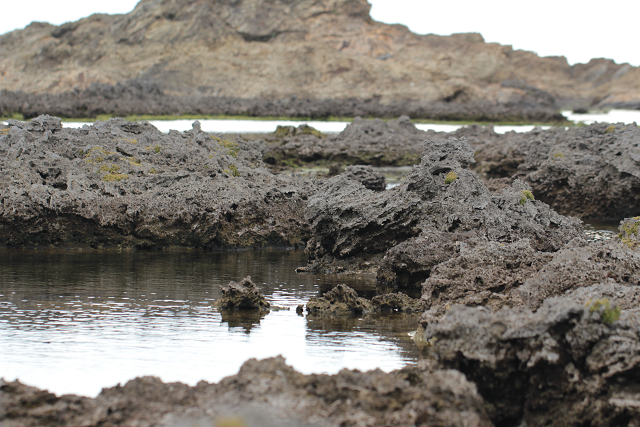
{"x":75,"y":321}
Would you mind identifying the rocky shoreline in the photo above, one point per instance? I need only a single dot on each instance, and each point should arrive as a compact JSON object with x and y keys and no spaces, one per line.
{"x":524,"y":321}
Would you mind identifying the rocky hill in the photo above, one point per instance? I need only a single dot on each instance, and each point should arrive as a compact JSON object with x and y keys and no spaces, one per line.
{"x":288,"y":57}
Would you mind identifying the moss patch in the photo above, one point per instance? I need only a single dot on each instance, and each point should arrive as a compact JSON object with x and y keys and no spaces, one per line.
{"x":610,"y":129}
{"x":558,"y":156}
{"x":451,"y":176}
{"x":608,"y":314}
{"x":115,"y":177}
{"x":232,"y":147}
{"x":526,"y":195}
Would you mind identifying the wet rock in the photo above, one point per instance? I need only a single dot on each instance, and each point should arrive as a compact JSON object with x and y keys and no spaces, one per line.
{"x":581,"y":265}
{"x":347,"y":220}
{"x":482,"y":274}
{"x":564,"y":365}
{"x":118,"y":183}
{"x":397,"y":302}
{"x":341,"y":299}
{"x":267,"y":393}
{"x":366,"y":176}
{"x":243,"y":295}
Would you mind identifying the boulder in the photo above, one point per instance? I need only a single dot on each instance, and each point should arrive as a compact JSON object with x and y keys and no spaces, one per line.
{"x":243,"y":295}
{"x":366,"y":176}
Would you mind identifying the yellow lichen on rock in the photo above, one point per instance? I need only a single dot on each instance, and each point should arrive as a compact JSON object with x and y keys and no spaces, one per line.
{"x":451,"y":176}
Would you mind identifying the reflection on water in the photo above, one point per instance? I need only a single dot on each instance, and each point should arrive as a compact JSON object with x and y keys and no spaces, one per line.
{"x":76,"y":321}
{"x":600,"y":230}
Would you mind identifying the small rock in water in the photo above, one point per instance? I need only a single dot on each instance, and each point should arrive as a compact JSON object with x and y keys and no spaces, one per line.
{"x":243,"y":295}
{"x":341,"y":299}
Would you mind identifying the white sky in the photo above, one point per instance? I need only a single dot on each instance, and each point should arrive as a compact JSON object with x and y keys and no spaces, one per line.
{"x":578,"y":30}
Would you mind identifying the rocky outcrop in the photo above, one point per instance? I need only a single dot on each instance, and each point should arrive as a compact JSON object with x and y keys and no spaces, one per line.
{"x":266,"y":393}
{"x":316,"y":59}
{"x":119,"y":183}
{"x":589,"y":172}
{"x":565,"y":365}
{"x":243,"y":295}
{"x":440,"y":193}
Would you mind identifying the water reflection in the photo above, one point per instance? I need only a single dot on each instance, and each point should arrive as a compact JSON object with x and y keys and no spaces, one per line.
{"x":76,"y":321}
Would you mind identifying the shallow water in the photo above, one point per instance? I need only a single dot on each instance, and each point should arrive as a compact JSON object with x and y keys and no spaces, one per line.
{"x":265,"y":126}
{"x":75,"y":321}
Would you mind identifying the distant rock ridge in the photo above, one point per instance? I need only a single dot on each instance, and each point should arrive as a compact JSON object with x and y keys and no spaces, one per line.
{"x":288,"y":57}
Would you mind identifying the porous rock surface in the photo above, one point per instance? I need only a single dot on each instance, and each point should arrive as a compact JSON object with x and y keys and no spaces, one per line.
{"x":347,"y":220}
{"x":267,"y":393}
{"x":243,"y":295}
{"x":564,"y":365}
{"x":588,"y":172}
{"x":118,"y":183}
{"x":344,"y":300}
{"x":366,"y":176}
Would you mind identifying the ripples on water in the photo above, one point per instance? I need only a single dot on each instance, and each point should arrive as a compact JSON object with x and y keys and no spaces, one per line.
{"x":75,"y":321}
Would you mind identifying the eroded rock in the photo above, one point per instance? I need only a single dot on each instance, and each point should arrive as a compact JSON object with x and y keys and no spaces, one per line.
{"x":564,"y":365}
{"x":267,"y":393}
{"x":119,"y":183}
{"x":243,"y":295}
{"x":341,"y":299}
{"x":366,"y":176}
{"x":441,"y":193}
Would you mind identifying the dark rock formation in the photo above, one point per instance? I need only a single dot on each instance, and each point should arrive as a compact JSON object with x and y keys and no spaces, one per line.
{"x":564,"y":365}
{"x":440,"y":193}
{"x":267,"y":393}
{"x":589,"y":172}
{"x":581,"y":265}
{"x":410,"y":263}
{"x":482,"y":274}
{"x":397,"y":302}
{"x":339,"y":300}
{"x":243,"y":295}
{"x":366,"y":176}
{"x":119,"y":183}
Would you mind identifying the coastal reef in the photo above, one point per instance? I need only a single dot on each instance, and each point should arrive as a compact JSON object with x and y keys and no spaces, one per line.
{"x":265,"y":393}
{"x":126,"y":184}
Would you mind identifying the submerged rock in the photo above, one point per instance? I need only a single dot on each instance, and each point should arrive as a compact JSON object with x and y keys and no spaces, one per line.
{"x":564,"y":365}
{"x":243,"y":295}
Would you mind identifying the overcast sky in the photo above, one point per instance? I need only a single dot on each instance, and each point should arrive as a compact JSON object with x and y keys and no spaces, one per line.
{"x":579,"y":30}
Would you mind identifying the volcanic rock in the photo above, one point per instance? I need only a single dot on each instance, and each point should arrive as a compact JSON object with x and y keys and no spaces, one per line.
{"x":565,"y":365}
{"x":341,"y":299}
{"x":243,"y":295}
{"x":120,"y":183}
{"x":440,"y":193}
{"x":366,"y":176}
{"x":267,"y":393}
{"x":589,"y":172}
